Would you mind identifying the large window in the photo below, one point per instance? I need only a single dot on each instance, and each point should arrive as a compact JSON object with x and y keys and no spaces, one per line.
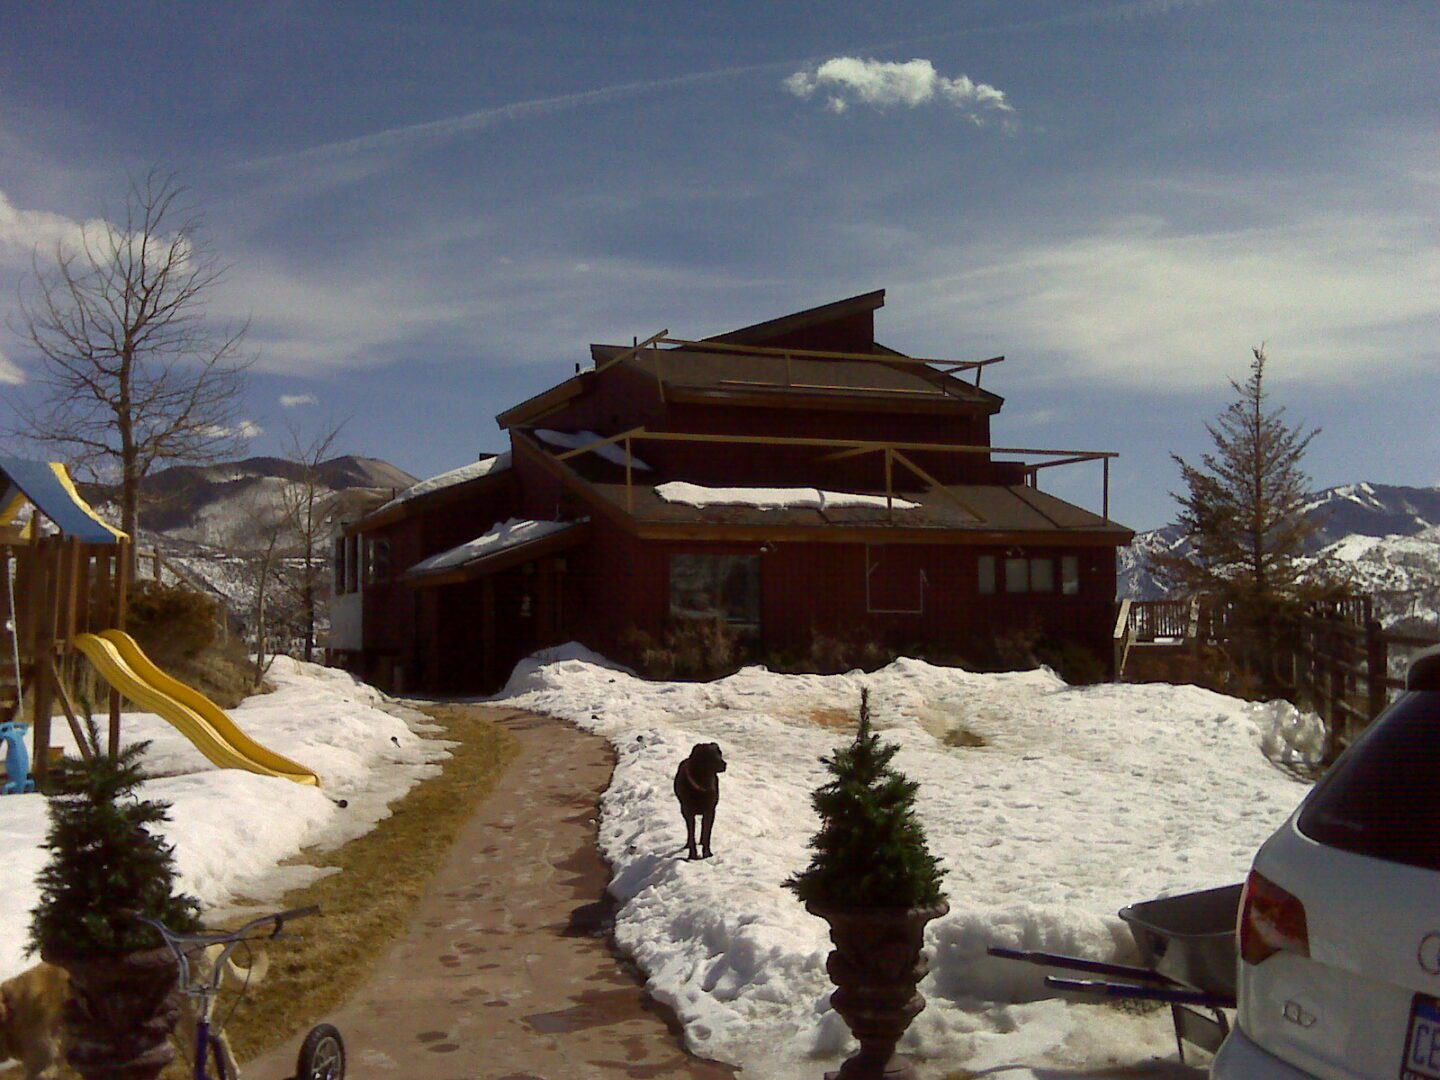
{"x":1022,"y":574}
{"x":716,"y":587}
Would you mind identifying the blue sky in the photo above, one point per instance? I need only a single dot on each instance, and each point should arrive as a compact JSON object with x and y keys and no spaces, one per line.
{"x":430,"y":213}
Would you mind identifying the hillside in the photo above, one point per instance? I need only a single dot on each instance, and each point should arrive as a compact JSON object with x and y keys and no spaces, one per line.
{"x":208,"y":521}
{"x":1385,"y":538}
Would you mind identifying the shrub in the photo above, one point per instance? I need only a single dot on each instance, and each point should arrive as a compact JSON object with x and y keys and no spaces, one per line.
{"x":105,"y":862}
{"x":826,"y":655}
{"x":870,"y":850}
{"x":1072,"y":661}
{"x":171,"y":621}
{"x":690,"y":649}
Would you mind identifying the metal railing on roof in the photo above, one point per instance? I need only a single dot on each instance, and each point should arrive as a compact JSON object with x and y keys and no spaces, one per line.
{"x":651,"y":346}
{"x":894,"y":452}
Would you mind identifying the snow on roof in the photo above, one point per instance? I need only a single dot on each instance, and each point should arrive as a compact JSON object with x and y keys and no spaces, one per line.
{"x":574,"y":440}
{"x":484,"y":467}
{"x":507,"y":534}
{"x":804,"y":498}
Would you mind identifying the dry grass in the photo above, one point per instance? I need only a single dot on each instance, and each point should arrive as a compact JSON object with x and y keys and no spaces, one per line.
{"x":833,"y":717}
{"x":381,"y":878}
{"x":960,"y":736}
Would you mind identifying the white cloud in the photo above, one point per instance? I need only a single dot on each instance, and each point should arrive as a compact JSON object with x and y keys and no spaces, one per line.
{"x":1339,"y":298}
{"x":245,"y":429}
{"x":847,"y":80}
{"x":10,"y":374}
{"x":294,"y":401}
{"x":21,"y":231}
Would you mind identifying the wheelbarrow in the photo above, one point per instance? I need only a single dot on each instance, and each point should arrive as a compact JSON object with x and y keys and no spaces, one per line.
{"x":1187,"y":944}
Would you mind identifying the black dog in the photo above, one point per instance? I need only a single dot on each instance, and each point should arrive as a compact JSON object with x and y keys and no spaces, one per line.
{"x":697,"y":786}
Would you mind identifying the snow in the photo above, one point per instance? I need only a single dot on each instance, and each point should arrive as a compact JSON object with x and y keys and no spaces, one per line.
{"x":231,"y":829}
{"x":1081,"y":800}
{"x":1078,"y":802}
{"x":464,"y":474}
{"x":507,"y":534}
{"x":574,"y":440}
{"x":804,"y":498}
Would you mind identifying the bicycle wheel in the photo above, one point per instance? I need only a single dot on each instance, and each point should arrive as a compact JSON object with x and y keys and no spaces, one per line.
{"x":322,"y":1055}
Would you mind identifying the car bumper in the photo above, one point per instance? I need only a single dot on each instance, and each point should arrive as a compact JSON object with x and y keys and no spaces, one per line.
{"x":1240,"y":1059}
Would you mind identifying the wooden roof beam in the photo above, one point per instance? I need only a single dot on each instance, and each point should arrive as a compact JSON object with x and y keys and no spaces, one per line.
{"x":820,"y":354}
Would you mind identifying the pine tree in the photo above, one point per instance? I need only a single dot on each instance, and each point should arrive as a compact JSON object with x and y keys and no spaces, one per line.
{"x":870,"y":850}
{"x":106,"y":863}
{"x":1243,"y":515}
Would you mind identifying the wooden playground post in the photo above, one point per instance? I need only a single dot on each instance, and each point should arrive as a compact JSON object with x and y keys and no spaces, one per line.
{"x":121,"y":592}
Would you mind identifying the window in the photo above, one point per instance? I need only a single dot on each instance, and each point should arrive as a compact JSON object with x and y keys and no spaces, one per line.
{"x":1380,"y":799}
{"x":1024,"y":575}
{"x":1042,"y":575}
{"x":1070,"y":575}
{"x":1017,"y":575}
{"x":987,"y":575}
{"x":716,"y":587}
{"x":339,"y":564}
{"x":894,"y":581}
{"x":352,"y":563}
{"x":377,"y":561}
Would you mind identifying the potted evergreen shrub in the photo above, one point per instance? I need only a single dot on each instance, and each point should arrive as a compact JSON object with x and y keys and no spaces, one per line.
{"x":873,"y":879}
{"x":106,"y":865}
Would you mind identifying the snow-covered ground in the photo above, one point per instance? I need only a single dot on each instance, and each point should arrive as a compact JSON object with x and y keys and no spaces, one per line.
{"x":232,"y":829}
{"x":1080,"y":801}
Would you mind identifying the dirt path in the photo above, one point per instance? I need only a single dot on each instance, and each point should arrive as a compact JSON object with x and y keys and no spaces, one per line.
{"x":505,"y":971}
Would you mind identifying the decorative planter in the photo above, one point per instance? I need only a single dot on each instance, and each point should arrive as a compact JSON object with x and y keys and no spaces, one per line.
{"x":875,"y":966}
{"x":121,"y":1012}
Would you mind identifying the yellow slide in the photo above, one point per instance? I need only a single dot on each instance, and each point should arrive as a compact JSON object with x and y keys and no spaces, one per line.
{"x":123,"y":664}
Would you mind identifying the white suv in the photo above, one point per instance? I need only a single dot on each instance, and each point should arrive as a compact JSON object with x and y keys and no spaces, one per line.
{"x":1340,"y":920}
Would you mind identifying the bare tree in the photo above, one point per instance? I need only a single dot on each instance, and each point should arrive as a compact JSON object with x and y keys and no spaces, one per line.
{"x":131,"y":370}
{"x":310,"y":508}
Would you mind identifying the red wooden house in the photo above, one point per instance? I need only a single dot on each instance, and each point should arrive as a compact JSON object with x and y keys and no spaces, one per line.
{"x":793,"y":478}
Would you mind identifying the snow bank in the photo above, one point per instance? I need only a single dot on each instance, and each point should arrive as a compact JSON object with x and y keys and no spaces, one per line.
{"x":231,"y":829}
{"x":1080,"y":801}
{"x":801,"y":498}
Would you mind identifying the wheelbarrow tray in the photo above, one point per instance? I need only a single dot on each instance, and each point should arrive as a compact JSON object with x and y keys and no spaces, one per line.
{"x":1190,"y":938}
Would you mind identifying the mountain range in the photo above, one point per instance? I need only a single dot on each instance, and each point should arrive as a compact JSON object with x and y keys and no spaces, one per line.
{"x":1385,"y":538}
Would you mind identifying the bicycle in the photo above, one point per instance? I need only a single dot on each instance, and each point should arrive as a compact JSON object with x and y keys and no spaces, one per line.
{"x":322,"y":1054}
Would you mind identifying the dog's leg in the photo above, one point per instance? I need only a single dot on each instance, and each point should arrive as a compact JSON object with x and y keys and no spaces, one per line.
{"x":690,"y":835}
{"x":706,"y":823}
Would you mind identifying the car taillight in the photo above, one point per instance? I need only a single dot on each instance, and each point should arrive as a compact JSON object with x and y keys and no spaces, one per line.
{"x":1271,"y":921}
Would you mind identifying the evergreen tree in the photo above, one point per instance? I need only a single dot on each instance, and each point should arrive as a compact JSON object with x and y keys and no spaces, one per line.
{"x":1242,"y":515}
{"x":870,"y":850}
{"x":106,"y":863}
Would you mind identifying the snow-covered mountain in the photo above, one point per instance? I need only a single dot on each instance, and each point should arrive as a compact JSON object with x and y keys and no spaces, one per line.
{"x":209,"y":523}
{"x":1385,"y":538}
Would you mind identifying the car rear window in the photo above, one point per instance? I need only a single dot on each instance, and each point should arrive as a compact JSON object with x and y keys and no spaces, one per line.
{"x":1382,"y":798}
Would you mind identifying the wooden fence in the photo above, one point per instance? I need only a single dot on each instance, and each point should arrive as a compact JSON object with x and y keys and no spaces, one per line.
{"x":1341,"y":662}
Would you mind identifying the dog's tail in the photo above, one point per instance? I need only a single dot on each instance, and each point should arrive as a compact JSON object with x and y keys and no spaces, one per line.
{"x":248,"y":976}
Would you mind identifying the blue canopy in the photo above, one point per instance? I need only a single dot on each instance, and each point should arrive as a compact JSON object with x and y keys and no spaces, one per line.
{"x":48,"y":487}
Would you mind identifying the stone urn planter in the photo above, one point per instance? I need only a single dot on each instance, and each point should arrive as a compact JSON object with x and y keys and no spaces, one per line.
{"x":109,"y":863}
{"x":876,"y":965}
{"x":121,"y":1011}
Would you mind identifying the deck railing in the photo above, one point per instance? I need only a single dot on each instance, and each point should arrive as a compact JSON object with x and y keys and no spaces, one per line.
{"x":895,"y":453}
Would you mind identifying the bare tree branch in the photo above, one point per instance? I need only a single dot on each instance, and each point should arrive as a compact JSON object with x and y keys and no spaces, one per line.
{"x":132,"y":373}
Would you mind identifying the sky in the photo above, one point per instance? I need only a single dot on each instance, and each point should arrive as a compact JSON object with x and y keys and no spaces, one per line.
{"x":430,"y":211}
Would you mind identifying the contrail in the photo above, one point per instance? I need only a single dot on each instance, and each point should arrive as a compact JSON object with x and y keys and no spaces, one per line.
{"x":484,"y":118}
{"x":435,"y":130}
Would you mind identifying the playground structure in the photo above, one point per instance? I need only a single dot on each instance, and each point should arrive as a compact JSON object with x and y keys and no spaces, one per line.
{"x":64,"y":582}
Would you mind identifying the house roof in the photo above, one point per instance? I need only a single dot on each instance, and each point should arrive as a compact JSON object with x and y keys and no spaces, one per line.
{"x":720,"y":373}
{"x":498,"y":548}
{"x":767,"y":331}
{"x":447,"y":486}
{"x":975,"y":513}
